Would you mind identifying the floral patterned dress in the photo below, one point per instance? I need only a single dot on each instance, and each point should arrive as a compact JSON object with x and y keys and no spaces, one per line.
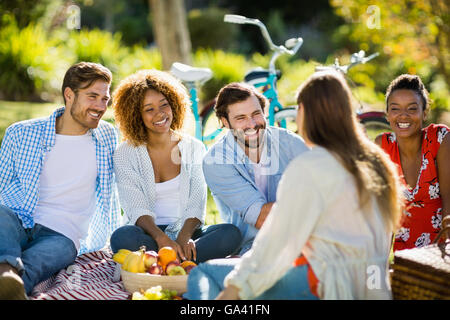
{"x":423,"y":217}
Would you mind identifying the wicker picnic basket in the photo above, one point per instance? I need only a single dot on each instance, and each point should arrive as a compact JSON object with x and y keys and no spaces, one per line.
{"x":422,"y":273}
{"x":136,"y":281}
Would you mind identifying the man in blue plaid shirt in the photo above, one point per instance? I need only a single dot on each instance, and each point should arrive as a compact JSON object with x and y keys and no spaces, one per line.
{"x":57,"y":191}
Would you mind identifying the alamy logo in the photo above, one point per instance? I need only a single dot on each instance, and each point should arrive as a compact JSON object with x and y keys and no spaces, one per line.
{"x":375,"y":279}
{"x":73,"y":17}
{"x":374,"y":19}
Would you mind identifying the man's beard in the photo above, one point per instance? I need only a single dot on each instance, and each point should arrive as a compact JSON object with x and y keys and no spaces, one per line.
{"x":239,"y":135}
{"x":77,"y":114}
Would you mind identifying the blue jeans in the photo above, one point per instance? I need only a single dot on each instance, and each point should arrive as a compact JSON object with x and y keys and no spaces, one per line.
{"x":211,"y":242}
{"x":37,"y":253}
{"x":205,"y":282}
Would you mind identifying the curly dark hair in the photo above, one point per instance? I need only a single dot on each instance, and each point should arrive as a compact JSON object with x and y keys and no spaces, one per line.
{"x":129,"y":96}
{"x":409,"y":82}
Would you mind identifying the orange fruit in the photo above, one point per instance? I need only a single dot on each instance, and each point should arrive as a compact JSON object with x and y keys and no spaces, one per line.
{"x":166,"y":254}
{"x":186,"y":263}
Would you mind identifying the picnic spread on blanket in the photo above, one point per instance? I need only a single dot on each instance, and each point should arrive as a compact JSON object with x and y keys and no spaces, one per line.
{"x":93,"y":276}
{"x":100,"y":275}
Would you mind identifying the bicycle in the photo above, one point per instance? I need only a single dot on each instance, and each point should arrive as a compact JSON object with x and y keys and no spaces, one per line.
{"x":194,"y":77}
{"x":374,"y":122}
{"x":208,"y":127}
{"x":266,"y":79}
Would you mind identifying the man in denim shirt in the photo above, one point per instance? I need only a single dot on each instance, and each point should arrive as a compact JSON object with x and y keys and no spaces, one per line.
{"x":244,"y":168}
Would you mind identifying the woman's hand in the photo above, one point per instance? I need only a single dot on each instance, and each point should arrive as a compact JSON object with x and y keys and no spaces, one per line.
{"x":446,"y":225}
{"x":165,"y":241}
{"x":185,"y":241}
{"x":229,"y":293}
{"x":188,"y":247}
{"x":162,"y":240}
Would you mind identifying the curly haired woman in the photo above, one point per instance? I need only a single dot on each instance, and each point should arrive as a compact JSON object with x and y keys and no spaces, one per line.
{"x":159,"y":175}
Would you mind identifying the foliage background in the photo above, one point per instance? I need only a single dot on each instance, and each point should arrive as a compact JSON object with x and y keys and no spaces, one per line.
{"x":412,"y":36}
{"x":37,"y":45}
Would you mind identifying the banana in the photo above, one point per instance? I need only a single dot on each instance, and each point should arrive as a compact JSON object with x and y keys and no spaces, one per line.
{"x":120,"y":255}
{"x":134,"y":262}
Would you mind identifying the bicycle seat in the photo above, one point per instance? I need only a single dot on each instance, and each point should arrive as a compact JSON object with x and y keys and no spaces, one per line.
{"x":259,"y":75}
{"x":190,"y":74}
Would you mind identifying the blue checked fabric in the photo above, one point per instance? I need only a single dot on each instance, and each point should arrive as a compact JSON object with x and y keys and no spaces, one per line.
{"x":23,"y":150}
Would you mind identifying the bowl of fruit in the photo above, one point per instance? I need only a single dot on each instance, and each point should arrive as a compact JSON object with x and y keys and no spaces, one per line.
{"x":141,"y":270}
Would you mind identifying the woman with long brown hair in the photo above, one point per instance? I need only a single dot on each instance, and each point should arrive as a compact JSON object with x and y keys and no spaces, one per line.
{"x":329,"y":233}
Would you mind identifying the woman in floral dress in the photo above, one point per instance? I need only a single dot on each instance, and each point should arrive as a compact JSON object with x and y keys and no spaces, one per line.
{"x":423,"y":159}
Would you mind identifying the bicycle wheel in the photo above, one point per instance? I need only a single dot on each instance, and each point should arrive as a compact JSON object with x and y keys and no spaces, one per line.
{"x":374,"y":125}
{"x":288,"y":114}
{"x":211,"y":126}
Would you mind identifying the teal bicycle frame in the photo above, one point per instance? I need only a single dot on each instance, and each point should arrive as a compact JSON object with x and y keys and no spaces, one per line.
{"x":272,"y":95}
{"x":194,"y":107}
{"x":269,"y":77}
{"x":192,"y":76}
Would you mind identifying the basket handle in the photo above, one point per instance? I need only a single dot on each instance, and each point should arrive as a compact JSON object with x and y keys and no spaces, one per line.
{"x":443,"y":244}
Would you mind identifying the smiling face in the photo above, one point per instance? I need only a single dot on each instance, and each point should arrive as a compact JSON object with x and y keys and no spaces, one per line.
{"x":156,"y":112}
{"x":247,"y":122}
{"x":88,"y":105}
{"x":405,"y":112}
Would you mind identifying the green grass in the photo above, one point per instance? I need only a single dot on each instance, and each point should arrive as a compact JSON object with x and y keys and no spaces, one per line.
{"x":212,"y":214}
{"x":13,"y":111}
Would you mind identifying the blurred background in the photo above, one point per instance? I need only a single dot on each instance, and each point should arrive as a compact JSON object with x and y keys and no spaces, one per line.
{"x":40,"y":39}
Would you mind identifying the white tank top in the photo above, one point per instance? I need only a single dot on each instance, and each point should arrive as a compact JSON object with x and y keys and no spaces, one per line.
{"x":67,"y":187}
{"x":167,"y":204}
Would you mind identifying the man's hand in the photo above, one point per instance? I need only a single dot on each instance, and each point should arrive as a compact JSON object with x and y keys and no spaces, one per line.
{"x":265,"y":209}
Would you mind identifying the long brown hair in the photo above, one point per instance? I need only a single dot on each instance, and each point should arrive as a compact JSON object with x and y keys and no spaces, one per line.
{"x":330,"y":122}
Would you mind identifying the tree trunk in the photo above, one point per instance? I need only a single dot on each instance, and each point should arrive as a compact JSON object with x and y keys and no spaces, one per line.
{"x":171,"y":31}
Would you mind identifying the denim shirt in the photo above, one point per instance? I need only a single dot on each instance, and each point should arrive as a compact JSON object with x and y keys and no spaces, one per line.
{"x":230,"y":176}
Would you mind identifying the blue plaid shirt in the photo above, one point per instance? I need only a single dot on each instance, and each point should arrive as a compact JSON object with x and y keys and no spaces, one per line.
{"x":23,"y":150}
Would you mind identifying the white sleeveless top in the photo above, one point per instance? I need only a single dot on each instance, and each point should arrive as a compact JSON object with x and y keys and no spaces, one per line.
{"x":167,"y":204}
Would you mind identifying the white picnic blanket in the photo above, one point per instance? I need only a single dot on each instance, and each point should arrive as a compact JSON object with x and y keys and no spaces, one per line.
{"x":93,"y":276}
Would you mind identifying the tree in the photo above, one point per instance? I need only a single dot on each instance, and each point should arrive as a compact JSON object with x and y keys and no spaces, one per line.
{"x":413,"y":31}
{"x":171,"y":31}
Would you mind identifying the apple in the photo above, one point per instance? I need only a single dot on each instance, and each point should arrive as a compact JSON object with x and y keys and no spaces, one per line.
{"x":171,"y":264}
{"x":155,"y":268}
{"x":150,"y":257}
{"x":189,"y":268}
{"x":176,"y":271}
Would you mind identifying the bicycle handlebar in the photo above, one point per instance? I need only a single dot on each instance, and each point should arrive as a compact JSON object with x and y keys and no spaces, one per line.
{"x":294,"y":43}
{"x":355,"y":59}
